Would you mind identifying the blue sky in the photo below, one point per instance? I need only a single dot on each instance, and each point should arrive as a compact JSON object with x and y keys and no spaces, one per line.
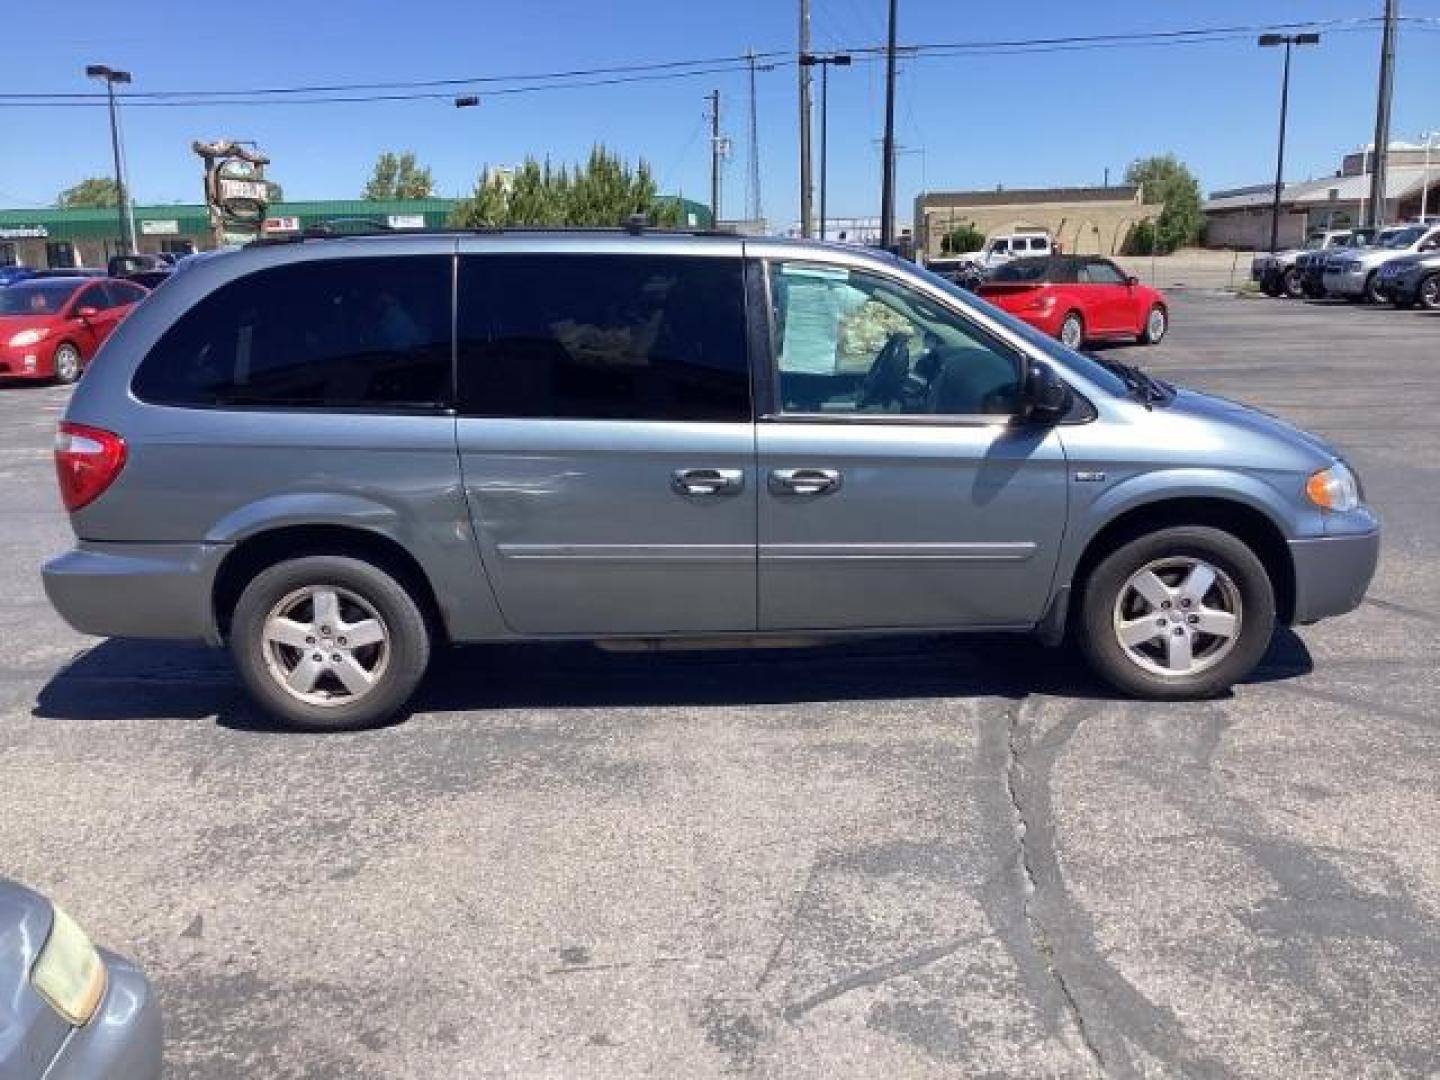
{"x":972,"y":121}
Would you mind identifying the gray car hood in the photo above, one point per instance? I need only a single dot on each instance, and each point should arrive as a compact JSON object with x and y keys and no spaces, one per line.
{"x":1251,"y":420}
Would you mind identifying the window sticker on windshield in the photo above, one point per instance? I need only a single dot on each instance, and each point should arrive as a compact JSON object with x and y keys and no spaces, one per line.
{"x":819,"y":273}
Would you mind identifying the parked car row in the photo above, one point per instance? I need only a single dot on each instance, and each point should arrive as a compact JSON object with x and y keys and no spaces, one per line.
{"x":1399,"y":264}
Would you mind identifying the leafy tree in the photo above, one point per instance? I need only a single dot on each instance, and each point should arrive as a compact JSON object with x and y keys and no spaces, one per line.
{"x":960,"y":240}
{"x":92,"y":192}
{"x":604,"y":191}
{"x":398,"y":176}
{"x":1166,"y":182}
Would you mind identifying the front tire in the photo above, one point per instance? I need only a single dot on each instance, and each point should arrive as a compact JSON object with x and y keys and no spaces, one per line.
{"x":1177,"y":614}
{"x":329,"y":643}
{"x":1428,"y":294}
{"x":67,"y":363}
{"x":1291,"y":284}
{"x":1157,"y":322}
{"x":1072,"y":331}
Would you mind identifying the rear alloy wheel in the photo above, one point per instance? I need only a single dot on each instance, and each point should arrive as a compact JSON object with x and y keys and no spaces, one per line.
{"x":67,"y":363}
{"x":1072,"y":331}
{"x":1373,"y":295}
{"x":1156,"y":323}
{"x":1182,"y":613}
{"x":1429,"y":293}
{"x":329,"y":643}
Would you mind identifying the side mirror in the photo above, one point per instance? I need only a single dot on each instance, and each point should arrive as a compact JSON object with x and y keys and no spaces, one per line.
{"x":87,"y":313}
{"x":1132,"y":280}
{"x":1046,"y":397}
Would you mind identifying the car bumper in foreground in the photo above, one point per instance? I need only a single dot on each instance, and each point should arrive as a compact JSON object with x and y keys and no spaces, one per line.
{"x":137,"y":590}
{"x":123,"y":1040}
{"x":1332,"y":573}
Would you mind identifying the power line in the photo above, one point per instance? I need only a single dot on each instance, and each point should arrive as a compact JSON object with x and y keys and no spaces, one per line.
{"x":617,"y":75}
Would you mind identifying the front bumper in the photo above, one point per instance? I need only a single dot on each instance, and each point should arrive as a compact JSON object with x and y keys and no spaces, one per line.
{"x":1403,"y":288}
{"x":137,"y":590}
{"x":1345,"y":283}
{"x":28,"y":362}
{"x":1332,"y":573}
{"x":123,"y":1040}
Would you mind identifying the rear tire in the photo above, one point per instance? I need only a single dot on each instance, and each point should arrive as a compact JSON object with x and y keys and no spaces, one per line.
{"x":1157,"y":322}
{"x":67,"y":363}
{"x":329,"y":643}
{"x":1372,"y":293}
{"x":1072,"y":330}
{"x":1171,"y":636}
{"x":1292,"y":285}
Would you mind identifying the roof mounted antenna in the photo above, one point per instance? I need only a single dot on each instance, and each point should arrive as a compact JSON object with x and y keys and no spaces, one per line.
{"x":635,"y":224}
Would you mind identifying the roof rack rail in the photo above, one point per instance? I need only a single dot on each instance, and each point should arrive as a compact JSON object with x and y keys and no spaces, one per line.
{"x":354,"y":227}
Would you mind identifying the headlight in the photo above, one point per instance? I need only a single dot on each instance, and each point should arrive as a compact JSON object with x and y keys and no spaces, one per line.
{"x":29,"y":337}
{"x":69,"y":973}
{"x":1335,"y":488}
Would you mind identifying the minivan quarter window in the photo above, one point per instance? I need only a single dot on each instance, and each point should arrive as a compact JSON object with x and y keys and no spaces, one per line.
{"x":848,"y":342}
{"x":359,"y":333}
{"x":603,"y":337}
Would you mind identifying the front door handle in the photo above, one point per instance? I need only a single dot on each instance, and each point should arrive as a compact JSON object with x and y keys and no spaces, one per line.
{"x":708,"y":481}
{"x":804,"y":481}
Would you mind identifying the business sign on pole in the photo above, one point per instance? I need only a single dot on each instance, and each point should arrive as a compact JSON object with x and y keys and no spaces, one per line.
{"x":236,"y":191}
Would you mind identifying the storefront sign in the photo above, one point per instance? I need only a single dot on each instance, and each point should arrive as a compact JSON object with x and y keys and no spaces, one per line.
{"x":282,"y":224}
{"x":153,"y":227}
{"x":23,"y":232}
{"x":406,"y":221}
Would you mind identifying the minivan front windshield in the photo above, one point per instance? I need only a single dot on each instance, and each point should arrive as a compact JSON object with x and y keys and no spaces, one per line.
{"x":1092,"y":371}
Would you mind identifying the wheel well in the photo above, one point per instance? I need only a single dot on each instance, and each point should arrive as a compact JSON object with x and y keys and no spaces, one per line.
{"x":1243,"y":522}
{"x":263,"y":550}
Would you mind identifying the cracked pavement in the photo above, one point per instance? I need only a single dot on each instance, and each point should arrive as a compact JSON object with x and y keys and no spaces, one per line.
{"x":906,"y":857}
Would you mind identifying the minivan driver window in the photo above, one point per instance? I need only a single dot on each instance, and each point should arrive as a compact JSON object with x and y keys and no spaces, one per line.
{"x":848,"y":342}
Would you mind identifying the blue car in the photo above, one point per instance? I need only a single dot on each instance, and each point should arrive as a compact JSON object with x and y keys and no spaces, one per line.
{"x":9,"y":275}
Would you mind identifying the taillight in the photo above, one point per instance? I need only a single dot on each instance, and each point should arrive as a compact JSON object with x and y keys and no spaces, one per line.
{"x":87,"y":460}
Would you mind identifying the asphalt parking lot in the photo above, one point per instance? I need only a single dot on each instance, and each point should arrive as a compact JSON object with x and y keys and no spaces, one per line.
{"x":904,"y":858}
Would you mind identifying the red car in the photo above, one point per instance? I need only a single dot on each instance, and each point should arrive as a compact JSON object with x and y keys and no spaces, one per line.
{"x":1078,"y":298}
{"x":51,"y":327}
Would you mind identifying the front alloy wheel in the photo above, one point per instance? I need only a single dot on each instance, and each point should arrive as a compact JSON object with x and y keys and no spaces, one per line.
{"x":1178,"y":616}
{"x":1429,"y":293}
{"x":67,"y":363}
{"x":1183,"y":612}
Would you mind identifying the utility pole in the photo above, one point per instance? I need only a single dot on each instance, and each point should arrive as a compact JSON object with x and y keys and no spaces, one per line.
{"x":805,"y":184}
{"x":715,"y":152}
{"x":753,"y":211}
{"x":1269,"y":41}
{"x":824,"y":61}
{"x":887,"y":189}
{"x":1382,"y":116}
{"x":122,"y":201}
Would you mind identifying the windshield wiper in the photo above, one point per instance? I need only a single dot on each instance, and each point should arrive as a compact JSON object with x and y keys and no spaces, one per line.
{"x":1142,"y":385}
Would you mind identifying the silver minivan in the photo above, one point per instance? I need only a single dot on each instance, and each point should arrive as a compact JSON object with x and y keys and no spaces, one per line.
{"x":334,"y":454}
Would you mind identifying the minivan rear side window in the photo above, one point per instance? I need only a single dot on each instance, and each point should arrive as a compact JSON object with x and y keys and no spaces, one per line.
{"x":358,"y":333}
{"x":603,"y":337}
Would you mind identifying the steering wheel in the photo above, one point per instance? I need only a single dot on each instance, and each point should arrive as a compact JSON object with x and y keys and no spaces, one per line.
{"x":887,"y":374}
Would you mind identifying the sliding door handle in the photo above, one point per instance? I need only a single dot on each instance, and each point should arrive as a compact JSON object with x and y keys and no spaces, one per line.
{"x":708,"y":481}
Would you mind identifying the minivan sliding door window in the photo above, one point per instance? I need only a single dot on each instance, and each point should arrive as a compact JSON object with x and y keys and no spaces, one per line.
{"x":603,"y":337}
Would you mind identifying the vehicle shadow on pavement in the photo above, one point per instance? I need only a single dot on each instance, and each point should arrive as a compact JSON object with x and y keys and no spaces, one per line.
{"x":123,"y":679}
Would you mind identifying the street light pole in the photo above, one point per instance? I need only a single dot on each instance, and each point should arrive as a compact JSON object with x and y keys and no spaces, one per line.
{"x":1267,"y":41}
{"x":122,"y":201}
{"x":824,"y":62}
{"x":887,"y":188}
